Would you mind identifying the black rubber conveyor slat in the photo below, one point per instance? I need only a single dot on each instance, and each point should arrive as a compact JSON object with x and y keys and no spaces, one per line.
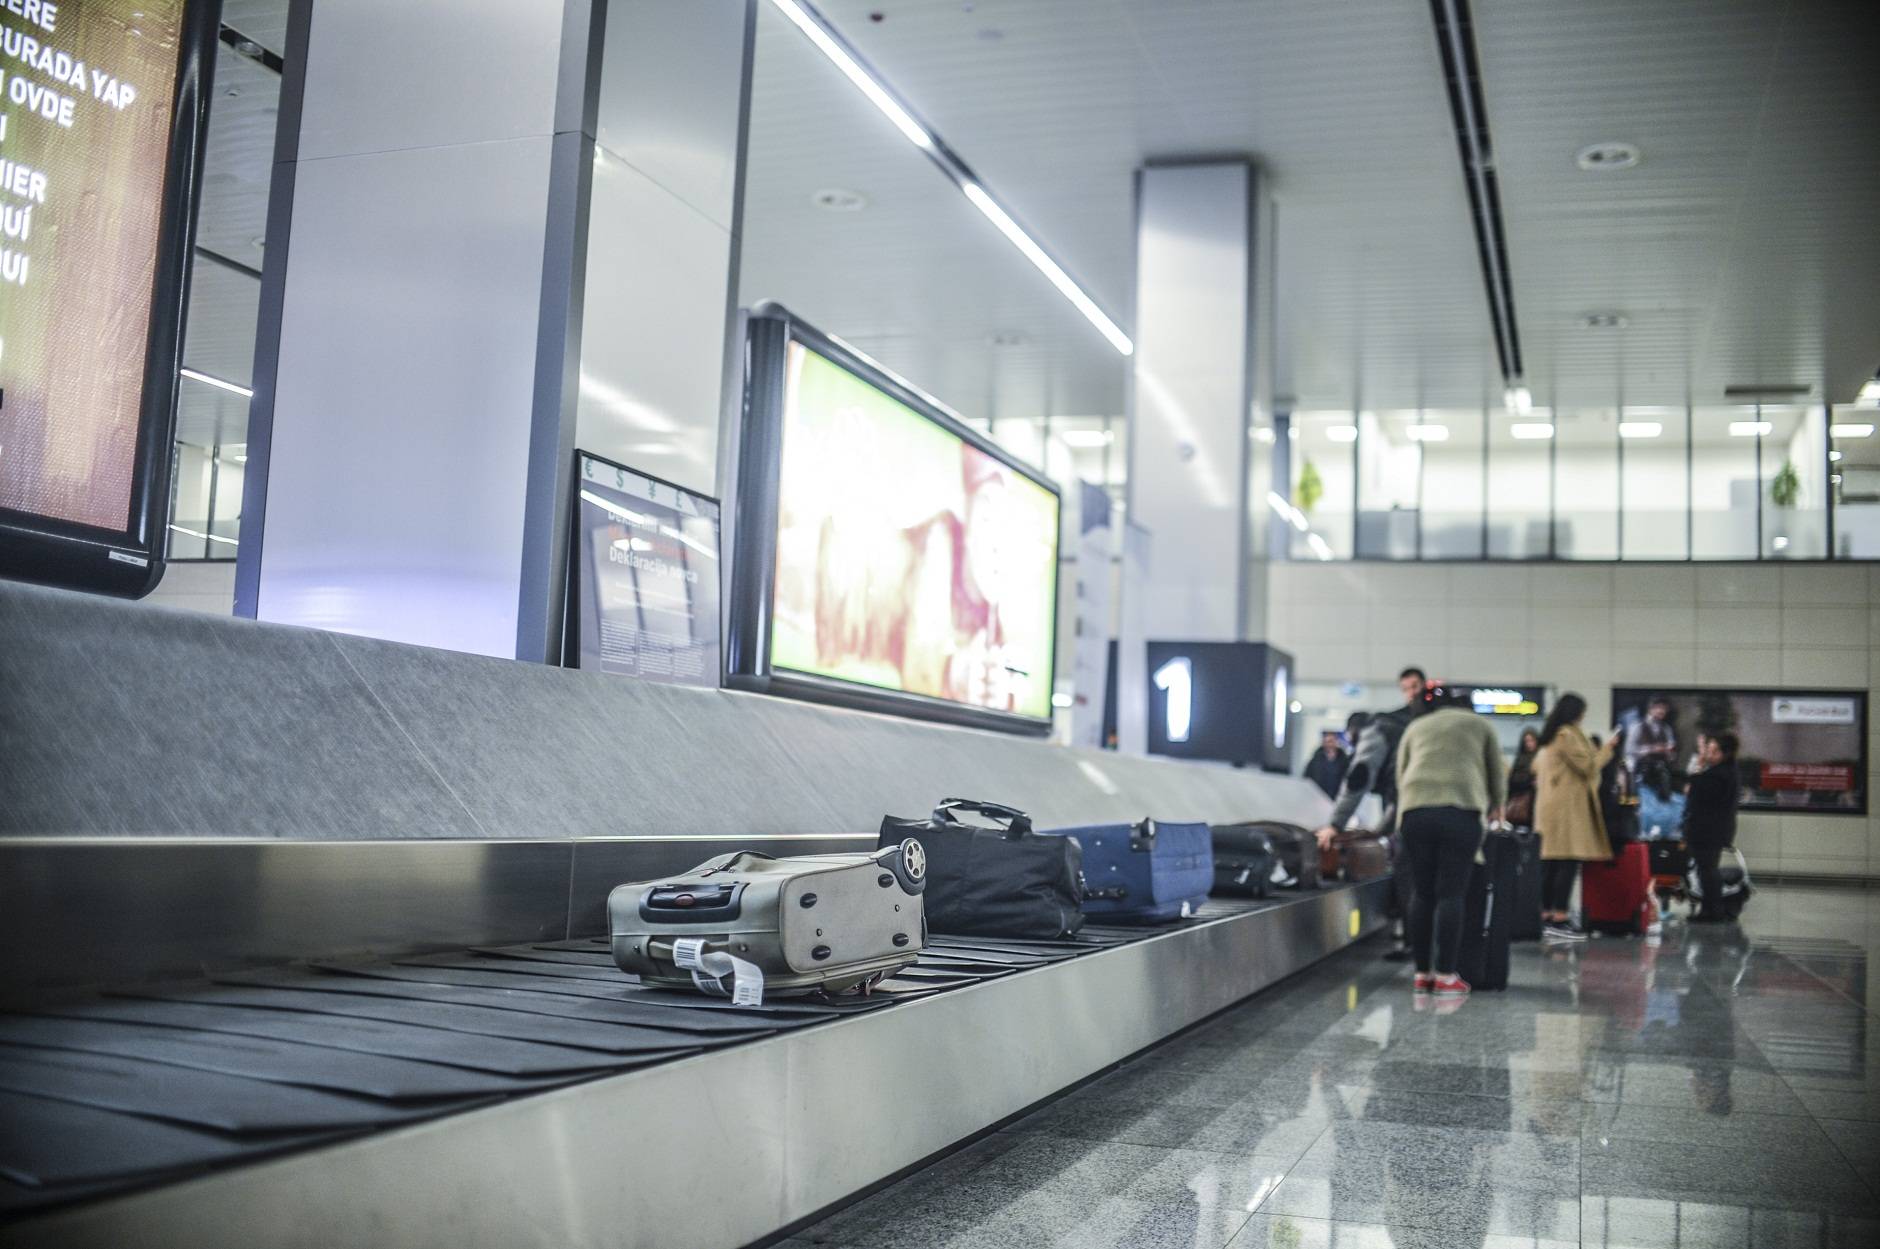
{"x":704,"y":1022}
{"x":282,"y":1062}
{"x":368,"y":1036}
{"x":47,"y":1142}
{"x":185,"y":1095}
{"x":478,"y":1021}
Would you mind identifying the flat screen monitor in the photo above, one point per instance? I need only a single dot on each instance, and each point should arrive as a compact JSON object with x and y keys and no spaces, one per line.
{"x":645,"y":580}
{"x":888,"y":556}
{"x":102,"y":123}
{"x":1801,"y":751}
{"x":1228,"y":701}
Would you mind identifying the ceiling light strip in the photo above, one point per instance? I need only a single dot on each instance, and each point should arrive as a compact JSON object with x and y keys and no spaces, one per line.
{"x":197,"y":376}
{"x":806,"y":19}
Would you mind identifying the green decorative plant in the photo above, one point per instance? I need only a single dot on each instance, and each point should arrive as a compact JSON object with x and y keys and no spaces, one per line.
{"x":1786,"y":486}
{"x":1311,"y":487}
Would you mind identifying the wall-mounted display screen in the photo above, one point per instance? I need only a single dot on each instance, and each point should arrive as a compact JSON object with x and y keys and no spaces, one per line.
{"x":100,"y":139}
{"x":894,"y":557}
{"x":645,"y":576}
{"x":1800,"y":750}
{"x":1231,"y":701}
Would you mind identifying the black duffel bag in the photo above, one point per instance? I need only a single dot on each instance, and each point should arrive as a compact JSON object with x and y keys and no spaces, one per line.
{"x":1000,"y":881}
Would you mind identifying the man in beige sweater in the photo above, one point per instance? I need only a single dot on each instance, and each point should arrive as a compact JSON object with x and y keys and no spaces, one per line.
{"x":1450,"y":775}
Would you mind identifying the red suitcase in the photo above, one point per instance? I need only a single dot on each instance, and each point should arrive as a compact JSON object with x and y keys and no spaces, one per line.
{"x":1615,"y":897}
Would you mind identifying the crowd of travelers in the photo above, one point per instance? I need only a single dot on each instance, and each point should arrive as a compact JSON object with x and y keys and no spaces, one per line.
{"x":1437,"y":769}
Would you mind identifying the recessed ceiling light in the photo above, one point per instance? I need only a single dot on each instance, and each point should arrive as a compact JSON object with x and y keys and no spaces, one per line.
{"x":1605,"y":321}
{"x":1835,"y":457}
{"x":1871,"y":390}
{"x":1603,"y":156}
{"x":1427,"y":433}
{"x":1531,"y":430}
{"x":839,"y":200}
{"x":1850,"y":431}
{"x":1640,"y":429}
{"x":1342,"y":433}
{"x":1087,"y":438}
{"x":1518,"y":399}
{"x":1751,"y":429}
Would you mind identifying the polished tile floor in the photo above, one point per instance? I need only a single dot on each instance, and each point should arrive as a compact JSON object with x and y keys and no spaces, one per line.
{"x":1720,"y":1088}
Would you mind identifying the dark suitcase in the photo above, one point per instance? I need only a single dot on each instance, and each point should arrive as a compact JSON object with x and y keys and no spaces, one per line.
{"x":1144,"y":873}
{"x":1002,"y":881}
{"x":1524,"y":916}
{"x":1359,"y":855}
{"x":1243,"y":860}
{"x":1615,"y":896}
{"x":1487,"y":915}
{"x":1295,"y":852}
{"x":1734,"y":877}
{"x":746,"y":924}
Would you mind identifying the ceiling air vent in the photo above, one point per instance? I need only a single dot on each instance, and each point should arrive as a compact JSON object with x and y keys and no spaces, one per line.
{"x":1777,"y":390}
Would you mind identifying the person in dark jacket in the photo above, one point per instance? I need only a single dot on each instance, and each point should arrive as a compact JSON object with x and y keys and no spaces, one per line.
{"x":1326,"y":768}
{"x":1710,"y":821}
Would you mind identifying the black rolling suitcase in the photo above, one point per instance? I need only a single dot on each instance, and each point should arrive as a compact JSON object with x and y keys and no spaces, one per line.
{"x":1243,"y":861}
{"x":1487,"y":914}
{"x":1296,"y":852}
{"x":1524,"y":918}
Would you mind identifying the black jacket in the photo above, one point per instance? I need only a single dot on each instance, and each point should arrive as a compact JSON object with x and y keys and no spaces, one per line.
{"x":1327,"y":773}
{"x":1710,"y":813}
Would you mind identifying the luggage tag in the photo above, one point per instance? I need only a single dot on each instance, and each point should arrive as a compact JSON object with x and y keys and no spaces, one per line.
{"x":709,"y":972}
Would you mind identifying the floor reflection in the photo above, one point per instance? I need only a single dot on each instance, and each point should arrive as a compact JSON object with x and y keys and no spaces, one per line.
{"x":1720,"y":1087}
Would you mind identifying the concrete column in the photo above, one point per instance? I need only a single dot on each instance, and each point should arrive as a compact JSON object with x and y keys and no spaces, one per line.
{"x":507,"y":230}
{"x":1199,"y":392}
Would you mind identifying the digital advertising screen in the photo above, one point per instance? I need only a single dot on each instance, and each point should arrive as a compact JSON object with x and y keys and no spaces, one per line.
{"x":100,"y":137}
{"x":646,"y":576}
{"x":910,"y":559}
{"x":1801,"y":751}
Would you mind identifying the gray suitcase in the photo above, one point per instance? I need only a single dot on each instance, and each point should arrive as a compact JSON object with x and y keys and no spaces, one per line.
{"x":745,"y":925}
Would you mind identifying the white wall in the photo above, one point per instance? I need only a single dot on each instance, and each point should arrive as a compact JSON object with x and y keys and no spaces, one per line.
{"x":1585,"y":628}
{"x":207,"y":586}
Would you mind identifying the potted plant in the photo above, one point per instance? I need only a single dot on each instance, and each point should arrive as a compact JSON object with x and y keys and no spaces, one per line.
{"x":1785,"y":490}
{"x":1311,"y":488}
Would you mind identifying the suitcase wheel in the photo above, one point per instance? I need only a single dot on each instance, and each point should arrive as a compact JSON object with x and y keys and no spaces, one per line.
{"x":908,"y":863}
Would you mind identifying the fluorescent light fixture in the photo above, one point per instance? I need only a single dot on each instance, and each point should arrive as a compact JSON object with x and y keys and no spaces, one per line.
{"x":1780,"y":543}
{"x":1640,"y":429}
{"x":1045,"y":265}
{"x":1519,"y":400}
{"x":1319,"y":546}
{"x":197,"y":533}
{"x":1871,"y":390}
{"x":1062,"y":700}
{"x":1427,"y":433}
{"x":1834,"y":457}
{"x":1531,"y":430}
{"x":1342,"y":433}
{"x":1087,"y":439}
{"x":1850,"y":431}
{"x":851,"y":69}
{"x":196,"y":376}
{"x":1751,"y":429}
{"x":1261,"y":433}
{"x":239,"y":459}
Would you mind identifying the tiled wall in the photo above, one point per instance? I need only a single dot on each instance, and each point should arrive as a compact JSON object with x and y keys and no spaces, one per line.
{"x":1587,"y":627}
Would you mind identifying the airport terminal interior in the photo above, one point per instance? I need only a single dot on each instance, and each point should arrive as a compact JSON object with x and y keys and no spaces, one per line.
{"x":901,"y":624}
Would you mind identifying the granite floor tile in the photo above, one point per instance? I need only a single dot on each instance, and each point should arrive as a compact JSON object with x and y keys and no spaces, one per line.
{"x":1359,"y":1155}
{"x":1291,"y":1231}
{"x":1656,"y":1223}
{"x":1604,"y":1121}
{"x":1546,"y":1116}
{"x":1692,"y":1084}
{"x":1859,"y":1142}
{"x":1456,"y":1215}
{"x":1723,"y":1172}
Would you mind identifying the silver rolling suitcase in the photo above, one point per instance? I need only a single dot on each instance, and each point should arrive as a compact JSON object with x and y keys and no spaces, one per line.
{"x":745,"y":925}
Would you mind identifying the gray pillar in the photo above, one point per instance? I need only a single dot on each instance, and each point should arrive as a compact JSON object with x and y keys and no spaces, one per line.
{"x":484,"y":266}
{"x":1198,"y":385}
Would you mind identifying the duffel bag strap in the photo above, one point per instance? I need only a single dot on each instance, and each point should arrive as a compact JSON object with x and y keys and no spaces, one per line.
{"x":711,"y":970}
{"x":1015,"y":822}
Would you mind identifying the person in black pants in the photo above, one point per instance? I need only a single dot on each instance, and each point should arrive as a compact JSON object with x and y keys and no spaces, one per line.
{"x":1449,"y":776}
{"x":1710,"y":821}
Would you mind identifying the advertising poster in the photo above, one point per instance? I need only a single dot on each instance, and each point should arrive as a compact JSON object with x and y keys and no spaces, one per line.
{"x":907,"y":558}
{"x":1801,"y":750}
{"x":646,"y":576}
{"x":85,"y":102}
{"x":1090,"y":656}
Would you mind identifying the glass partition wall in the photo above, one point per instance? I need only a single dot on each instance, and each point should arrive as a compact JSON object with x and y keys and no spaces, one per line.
{"x":1624,"y":482}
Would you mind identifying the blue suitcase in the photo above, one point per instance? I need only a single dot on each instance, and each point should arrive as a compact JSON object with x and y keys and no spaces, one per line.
{"x":1144,"y":873}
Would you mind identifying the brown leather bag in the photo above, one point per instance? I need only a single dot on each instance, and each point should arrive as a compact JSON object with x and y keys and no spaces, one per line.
{"x":1356,"y":855}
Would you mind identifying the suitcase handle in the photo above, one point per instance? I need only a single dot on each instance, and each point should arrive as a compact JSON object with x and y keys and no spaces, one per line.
{"x":724,"y":861}
{"x":1142,"y":836}
{"x":1017,"y":823}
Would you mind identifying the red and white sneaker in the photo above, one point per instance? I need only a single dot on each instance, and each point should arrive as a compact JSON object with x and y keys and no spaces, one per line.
{"x":1451,"y":986}
{"x":1424,"y":982}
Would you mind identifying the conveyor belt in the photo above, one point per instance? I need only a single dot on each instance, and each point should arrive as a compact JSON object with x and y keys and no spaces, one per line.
{"x":152,"y":1083}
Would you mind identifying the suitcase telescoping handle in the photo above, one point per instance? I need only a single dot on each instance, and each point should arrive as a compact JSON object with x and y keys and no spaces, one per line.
{"x":1016,"y":822}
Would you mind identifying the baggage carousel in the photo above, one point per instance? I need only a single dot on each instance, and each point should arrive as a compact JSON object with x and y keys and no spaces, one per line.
{"x":533,"y":1095}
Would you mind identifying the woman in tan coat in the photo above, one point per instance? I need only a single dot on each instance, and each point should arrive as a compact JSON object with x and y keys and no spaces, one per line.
{"x":1566,"y":810}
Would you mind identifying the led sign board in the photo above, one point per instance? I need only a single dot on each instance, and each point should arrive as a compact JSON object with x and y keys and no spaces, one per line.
{"x":101,"y":132}
{"x":1230,"y":701}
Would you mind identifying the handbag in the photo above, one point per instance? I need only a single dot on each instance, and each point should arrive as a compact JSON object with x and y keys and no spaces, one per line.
{"x":1001,"y":880}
